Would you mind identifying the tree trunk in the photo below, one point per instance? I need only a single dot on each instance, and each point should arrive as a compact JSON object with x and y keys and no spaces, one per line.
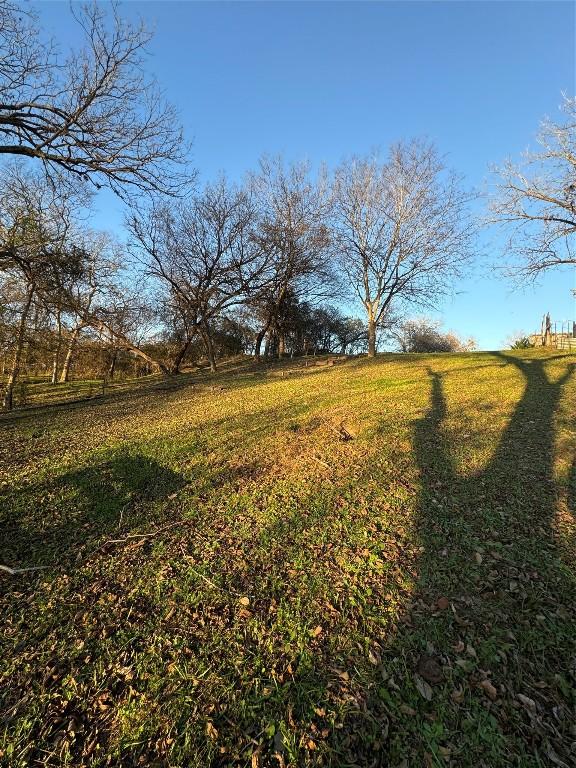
{"x":177,"y":362}
{"x":258,"y":343}
{"x":281,"y":344}
{"x":371,"y":336}
{"x":56,"y":355}
{"x":15,"y":370}
{"x":259,"y":339}
{"x":125,"y":344}
{"x":69,"y":352}
{"x":112,"y":364}
{"x":209,"y":346}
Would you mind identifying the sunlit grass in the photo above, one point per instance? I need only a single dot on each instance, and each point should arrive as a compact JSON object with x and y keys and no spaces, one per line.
{"x":229,"y":581}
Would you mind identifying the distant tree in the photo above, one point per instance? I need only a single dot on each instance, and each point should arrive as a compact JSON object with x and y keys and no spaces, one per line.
{"x":83,"y":295}
{"x":36,"y":252}
{"x":204,"y":254}
{"x":536,"y":199}
{"x":351,"y":334}
{"x":400,"y":229}
{"x":291,"y":230}
{"x":94,"y":115}
{"x":425,"y":335}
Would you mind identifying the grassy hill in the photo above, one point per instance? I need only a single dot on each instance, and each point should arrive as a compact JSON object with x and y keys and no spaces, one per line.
{"x":366,"y":564}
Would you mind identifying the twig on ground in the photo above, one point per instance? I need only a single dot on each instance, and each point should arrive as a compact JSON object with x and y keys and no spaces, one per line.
{"x":14,"y":571}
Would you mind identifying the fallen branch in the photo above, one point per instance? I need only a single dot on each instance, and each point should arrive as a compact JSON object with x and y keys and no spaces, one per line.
{"x":14,"y":571}
{"x":143,"y":535}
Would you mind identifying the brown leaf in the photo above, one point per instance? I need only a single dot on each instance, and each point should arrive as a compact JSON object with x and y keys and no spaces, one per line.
{"x":211,"y":731}
{"x":244,"y":601}
{"x":423,"y":688}
{"x":443,"y":603}
{"x":457,"y":695}
{"x":316,"y":631}
{"x":528,"y":703}
{"x":489,"y":689}
{"x":478,"y":557}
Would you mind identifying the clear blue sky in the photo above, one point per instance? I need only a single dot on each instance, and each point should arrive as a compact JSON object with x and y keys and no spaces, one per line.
{"x":323,"y":80}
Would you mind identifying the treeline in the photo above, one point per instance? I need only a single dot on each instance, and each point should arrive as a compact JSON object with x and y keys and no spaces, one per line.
{"x":259,"y":267}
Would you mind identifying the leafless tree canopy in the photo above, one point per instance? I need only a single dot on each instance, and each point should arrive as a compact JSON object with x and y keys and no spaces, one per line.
{"x":292,"y":231}
{"x":93,"y":114}
{"x":204,"y":254}
{"x":400,"y":229}
{"x":536,"y":199}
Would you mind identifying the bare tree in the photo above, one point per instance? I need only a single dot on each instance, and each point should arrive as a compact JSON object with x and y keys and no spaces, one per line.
{"x":421,"y":334}
{"x":85,"y":294}
{"x":36,"y":252}
{"x":292,"y":231}
{"x":203,"y":253}
{"x":400,"y":230}
{"x":536,"y":199}
{"x":95,"y":114}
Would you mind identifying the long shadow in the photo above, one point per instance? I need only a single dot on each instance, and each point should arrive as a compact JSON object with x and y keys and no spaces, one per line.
{"x":490,"y":549}
{"x":103,"y":497}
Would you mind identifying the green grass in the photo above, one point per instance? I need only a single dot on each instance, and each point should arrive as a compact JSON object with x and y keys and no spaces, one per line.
{"x":230,"y":583}
{"x":32,"y":391}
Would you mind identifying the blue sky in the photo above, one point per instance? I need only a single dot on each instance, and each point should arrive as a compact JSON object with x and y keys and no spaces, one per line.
{"x":323,"y":80}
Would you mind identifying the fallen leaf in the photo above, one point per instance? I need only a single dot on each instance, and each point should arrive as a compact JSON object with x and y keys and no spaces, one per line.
{"x":457,"y":695}
{"x":406,"y":710}
{"x":316,"y":631}
{"x":211,"y":731}
{"x":244,"y":601}
{"x":443,"y":603}
{"x":489,"y":689}
{"x":423,"y":688}
{"x":530,"y":703}
{"x":478,"y":558}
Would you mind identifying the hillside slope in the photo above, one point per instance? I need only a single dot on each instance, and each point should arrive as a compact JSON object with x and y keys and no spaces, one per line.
{"x":359,"y":565}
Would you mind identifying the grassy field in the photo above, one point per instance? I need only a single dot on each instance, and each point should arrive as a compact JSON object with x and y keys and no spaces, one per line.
{"x":370,"y":564}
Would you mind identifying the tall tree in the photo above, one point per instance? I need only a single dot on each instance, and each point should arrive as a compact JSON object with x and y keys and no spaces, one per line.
{"x":293,"y":232}
{"x":536,"y":199}
{"x":400,"y":229}
{"x":204,"y":254}
{"x":94,"y":114}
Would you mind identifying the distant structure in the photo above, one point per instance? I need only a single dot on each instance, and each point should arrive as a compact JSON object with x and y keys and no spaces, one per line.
{"x":559,"y":334}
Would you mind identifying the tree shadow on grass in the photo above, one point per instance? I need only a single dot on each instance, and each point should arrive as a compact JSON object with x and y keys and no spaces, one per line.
{"x":508,"y":640}
{"x":56,"y":520}
{"x":478,"y":669}
{"x":347,"y":696}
